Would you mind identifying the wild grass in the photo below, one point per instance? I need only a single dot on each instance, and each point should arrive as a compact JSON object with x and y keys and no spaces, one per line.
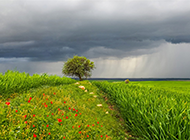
{"x":63,"y":111}
{"x":14,"y":82}
{"x":150,"y":112}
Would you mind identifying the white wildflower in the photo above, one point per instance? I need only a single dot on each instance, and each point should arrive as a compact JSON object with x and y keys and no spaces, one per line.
{"x":107,"y":112}
{"x":82,"y":87}
{"x":99,"y":104}
{"x":85,"y":90}
{"x":95,"y":96}
{"x":76,"y":83}
{"x":91,"y":93}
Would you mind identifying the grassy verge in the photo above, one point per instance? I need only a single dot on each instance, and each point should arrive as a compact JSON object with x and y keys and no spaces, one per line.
{"x":61,"y":112}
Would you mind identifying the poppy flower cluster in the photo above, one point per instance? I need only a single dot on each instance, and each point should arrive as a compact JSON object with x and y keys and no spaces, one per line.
{"x":59,"y":120}
{"x":30,"y":99}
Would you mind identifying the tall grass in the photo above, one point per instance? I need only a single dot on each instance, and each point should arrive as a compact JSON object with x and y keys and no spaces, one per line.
{"x":14,"y":82}
{"x":152,"y":113}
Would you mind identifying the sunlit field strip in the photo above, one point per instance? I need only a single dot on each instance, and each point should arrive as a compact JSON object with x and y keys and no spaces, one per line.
{"x":175,"y":86}
{"x":150,"y":112}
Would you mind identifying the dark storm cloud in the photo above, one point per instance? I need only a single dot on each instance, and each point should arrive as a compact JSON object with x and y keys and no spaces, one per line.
{"x":56,"y":30}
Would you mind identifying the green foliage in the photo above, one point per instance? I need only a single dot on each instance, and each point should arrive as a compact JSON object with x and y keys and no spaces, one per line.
{"x":78,"y":66}
{"x":151,"y":112}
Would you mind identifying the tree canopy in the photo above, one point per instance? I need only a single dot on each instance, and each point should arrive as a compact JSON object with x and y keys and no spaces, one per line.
{"x":78,"y":66}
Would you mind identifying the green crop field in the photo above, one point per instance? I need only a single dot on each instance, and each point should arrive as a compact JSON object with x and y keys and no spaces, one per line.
{"x":152,"y":110}
{"x":50,"y":107}
{"x":177,"y":86}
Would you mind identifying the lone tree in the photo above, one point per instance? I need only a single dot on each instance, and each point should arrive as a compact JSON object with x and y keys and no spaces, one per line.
{"x":78,"y":66}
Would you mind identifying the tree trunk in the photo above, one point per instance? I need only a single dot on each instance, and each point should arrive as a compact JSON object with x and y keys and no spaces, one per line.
{"x":80,"y":78}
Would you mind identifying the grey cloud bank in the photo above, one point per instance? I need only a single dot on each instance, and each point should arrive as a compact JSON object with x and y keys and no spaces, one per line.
{"x":49,"y":32}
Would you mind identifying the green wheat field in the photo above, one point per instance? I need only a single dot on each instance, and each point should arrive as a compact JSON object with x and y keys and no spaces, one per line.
{"x":51,"y":107}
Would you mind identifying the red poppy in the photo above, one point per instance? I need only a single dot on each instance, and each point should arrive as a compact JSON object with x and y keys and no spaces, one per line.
{"x":64,"y":102}
{"x":87,"y":125}
{"x":87,"y":135}
{"x":69,"y":108}
{"x":59,"y":109}
{"x":47,"y":125}
{"x":67,"y":117}
{"x":47,"y":99}
{"x":30,"y":98}
{"x":49,"y":133}
{"x":45,"y":105}
{"x":101,"y":125}
{"x":93,"y":125}
{"x":64,"y":137}
{"x":72,"y":126}
{"x":8,"y":103}
{"x":34,"y":115}
{"x":54,"y":93}
{"x":106,"y":135}
{"x":76,"y":110}
{"x":79,"y":126}
{"x":52,"y":113}
{"x":97,"y":122}
{"x":79,"y":132}
{"x":33,"y":125}
{"x":73,"y":109}
{"x":62,"y":114}
{"x":16,"y":111}
{"x":25,"y":116}
{"x":34,"y":135}
{"x":75,"y":114}
{"x":47,"y":115}
{"x":59,"y":120}
{"x":26,"y":122}
{"x":51,"y":102}
{"x":29,"y":101}
{"x":43,"y":94}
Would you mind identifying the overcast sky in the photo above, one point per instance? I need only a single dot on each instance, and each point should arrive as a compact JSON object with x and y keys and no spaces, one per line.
{"x":124,"y":38}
